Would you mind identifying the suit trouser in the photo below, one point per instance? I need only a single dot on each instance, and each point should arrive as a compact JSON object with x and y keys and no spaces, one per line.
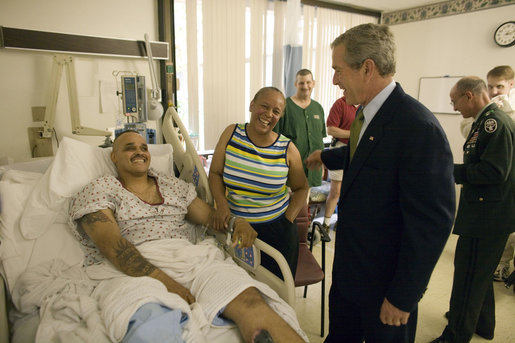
{"x":472,"y":304}
{"x":355,"y":323}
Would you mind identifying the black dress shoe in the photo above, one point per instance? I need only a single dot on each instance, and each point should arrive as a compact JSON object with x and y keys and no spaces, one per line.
{"x":440,"y":340}
{"x":484,"y":335}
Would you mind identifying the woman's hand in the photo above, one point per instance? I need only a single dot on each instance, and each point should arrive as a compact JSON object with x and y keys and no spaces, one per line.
{"x":314,"y":160}
{"x":244,"y":235}
{"x":219,"y":220}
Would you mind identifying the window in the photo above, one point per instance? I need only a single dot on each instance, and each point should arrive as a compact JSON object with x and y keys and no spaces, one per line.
{"x":227,"y":50}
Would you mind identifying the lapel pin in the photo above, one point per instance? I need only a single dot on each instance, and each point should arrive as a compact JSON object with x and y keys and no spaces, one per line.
{"x":371,"y":138}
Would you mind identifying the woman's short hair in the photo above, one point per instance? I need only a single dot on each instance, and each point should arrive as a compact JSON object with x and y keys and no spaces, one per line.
{"x":266,"y":89}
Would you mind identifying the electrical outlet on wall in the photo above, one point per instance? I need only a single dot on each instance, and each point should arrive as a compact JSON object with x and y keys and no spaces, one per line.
{"x":39,"y":146}
{"x":38,"y":113}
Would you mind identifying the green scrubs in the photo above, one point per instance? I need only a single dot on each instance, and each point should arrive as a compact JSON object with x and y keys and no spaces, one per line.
{"x":306,"y":128}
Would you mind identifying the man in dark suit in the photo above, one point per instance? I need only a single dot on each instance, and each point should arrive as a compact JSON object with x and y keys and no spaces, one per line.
{"x":486,"y":214}
{"x":397,"y":201}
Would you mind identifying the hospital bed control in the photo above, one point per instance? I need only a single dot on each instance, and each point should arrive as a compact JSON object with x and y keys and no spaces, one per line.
{"x":247,"y":255}
{"x":250,"y":256}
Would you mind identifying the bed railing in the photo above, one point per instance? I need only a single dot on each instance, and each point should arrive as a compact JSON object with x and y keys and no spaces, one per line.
{"x":184,"y":154}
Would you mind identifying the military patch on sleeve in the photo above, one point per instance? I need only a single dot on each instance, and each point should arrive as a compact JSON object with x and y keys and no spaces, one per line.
{"x":490,"y":125}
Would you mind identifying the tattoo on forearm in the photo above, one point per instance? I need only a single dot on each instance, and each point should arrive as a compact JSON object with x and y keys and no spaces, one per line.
{"x":131,"y":261}
{"x":91,"y":219}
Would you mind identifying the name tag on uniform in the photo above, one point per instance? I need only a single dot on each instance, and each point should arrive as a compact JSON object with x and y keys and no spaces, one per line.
{"x":316,"y":116}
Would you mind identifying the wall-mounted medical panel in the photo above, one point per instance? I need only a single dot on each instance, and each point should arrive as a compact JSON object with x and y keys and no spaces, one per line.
{"x":15,"y":38}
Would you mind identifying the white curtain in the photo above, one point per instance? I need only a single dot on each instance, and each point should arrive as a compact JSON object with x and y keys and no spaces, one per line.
{"x":224,"y":66}
{"x":221,"y":78}
{"x":192,"y":69}
{"x":278,"y":56}
{"x":257,"y":59}
{"x":309,"y":37}
{"x":321,"y":27}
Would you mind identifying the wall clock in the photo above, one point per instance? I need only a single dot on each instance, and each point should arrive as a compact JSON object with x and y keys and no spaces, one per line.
{"x":504,"y":35}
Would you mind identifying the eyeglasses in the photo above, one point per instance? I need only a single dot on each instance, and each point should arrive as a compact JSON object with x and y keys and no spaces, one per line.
{"x":454,"y":102}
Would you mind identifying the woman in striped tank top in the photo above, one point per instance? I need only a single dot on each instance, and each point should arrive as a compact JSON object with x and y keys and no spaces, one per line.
{"x":257,"y":174}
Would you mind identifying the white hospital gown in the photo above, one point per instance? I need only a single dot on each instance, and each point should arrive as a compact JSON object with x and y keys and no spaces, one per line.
{"x":138,"y":221}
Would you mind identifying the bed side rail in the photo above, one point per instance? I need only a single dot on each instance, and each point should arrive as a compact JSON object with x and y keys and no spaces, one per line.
{"x":189,"y":166}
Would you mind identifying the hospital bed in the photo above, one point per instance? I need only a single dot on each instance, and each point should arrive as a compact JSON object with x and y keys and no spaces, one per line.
{"x":34,"y":229}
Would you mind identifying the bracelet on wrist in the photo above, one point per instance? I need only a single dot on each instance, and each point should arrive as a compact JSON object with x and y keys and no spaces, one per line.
{"x":231,"y":224}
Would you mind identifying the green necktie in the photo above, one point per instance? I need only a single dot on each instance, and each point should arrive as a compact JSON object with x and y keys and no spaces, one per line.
{"x":355,"y":129}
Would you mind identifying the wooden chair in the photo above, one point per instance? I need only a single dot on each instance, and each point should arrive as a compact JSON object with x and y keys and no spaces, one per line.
{"x":309,"y":270}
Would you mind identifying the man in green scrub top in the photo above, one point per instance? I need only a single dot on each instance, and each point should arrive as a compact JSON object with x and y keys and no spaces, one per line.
{"x":303,"y":122}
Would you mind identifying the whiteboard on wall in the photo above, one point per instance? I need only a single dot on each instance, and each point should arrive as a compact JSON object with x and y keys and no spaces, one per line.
{"x":433,"y":92}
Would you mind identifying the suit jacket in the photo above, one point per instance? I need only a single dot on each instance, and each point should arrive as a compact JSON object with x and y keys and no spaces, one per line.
{"x":487,"y":199}
{"x":396,"y":207}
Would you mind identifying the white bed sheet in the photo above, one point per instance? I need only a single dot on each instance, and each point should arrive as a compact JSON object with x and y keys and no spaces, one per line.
{"x":33,"y":222}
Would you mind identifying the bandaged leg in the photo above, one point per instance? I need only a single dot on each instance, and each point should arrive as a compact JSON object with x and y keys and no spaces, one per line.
{"x":251,"y":313}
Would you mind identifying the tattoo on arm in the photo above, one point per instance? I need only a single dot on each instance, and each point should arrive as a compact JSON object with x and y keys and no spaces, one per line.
{"x":91,"y":219}
{"x":128,"y":258}
{"x":131,"y":261}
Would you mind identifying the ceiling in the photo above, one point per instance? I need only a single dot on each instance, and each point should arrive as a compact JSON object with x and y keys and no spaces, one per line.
{"x":384,"y":5}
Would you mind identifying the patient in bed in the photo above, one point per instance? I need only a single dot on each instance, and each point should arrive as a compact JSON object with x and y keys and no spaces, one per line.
{"x":138,"y":223}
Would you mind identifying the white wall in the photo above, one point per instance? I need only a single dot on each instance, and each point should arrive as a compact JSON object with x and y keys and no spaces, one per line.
{"x":24,"y":75}
{"x":455,"y":45}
